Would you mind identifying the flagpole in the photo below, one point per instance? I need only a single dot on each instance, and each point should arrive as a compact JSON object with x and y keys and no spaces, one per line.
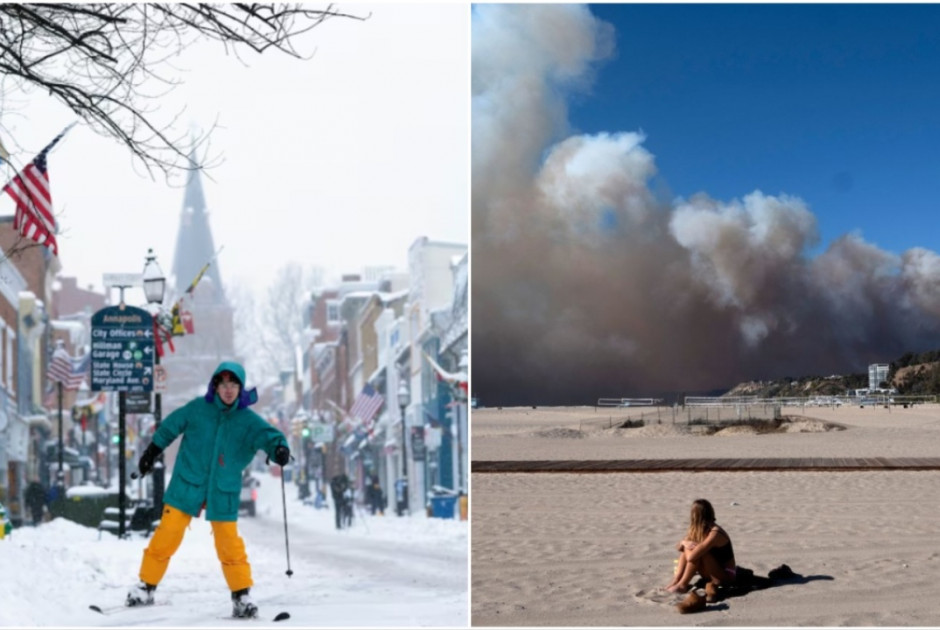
{"x":17,"y":169}
{"x":60,"y":477}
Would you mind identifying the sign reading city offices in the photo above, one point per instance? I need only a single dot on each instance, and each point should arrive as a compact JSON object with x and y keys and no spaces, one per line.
{"x":122,"y":350}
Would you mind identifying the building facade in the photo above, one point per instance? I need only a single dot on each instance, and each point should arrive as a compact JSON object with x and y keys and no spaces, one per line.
{"x":877,"y":374}
{"x":26,"y":273}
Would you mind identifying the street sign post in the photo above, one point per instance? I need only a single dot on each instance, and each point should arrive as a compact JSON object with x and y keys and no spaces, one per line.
{"x":122,"y":350}
{"x":122,"y":279}
{"x":159,"y":378}
{"x":122,"y":361}
{"x":139,"y":402}
{"x":417,"y":444}
{"x":321,"y":432}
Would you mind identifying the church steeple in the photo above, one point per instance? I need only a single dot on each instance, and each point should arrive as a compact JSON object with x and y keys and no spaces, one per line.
{"x":196,"y":355}
{"x":194,"y":243}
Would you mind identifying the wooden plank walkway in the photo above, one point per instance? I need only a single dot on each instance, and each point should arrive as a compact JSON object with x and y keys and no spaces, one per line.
{"x":706,"y":465}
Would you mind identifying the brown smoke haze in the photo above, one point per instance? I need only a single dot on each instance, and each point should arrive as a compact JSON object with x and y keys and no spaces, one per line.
{"x":587,"y":284}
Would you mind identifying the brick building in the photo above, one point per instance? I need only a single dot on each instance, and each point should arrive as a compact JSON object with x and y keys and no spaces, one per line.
{"x":25,"y":292}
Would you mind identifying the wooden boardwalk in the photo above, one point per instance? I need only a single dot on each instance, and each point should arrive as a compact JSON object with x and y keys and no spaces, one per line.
{"x":707,"y":465}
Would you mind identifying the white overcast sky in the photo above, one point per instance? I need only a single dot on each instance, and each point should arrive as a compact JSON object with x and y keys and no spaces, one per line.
{"x":339,"y":161}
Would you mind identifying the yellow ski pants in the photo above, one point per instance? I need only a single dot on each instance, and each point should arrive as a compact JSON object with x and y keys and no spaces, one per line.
{"x":168,"y":535}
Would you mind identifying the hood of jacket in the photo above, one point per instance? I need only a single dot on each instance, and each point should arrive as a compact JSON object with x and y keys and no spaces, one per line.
{"x":246,"y":396}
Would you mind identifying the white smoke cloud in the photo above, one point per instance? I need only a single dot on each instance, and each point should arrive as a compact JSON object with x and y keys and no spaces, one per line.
{"x":583,"y":176}
{"x":738,"y":247}
{"x":524,"y":63}
{"x":587,"y":284}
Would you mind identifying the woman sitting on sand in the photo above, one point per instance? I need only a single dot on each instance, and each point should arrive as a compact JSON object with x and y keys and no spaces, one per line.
{"x":706,"y":549}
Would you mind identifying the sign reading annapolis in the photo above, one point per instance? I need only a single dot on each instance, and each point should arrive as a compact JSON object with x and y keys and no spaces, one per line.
{"x":122,"y":350}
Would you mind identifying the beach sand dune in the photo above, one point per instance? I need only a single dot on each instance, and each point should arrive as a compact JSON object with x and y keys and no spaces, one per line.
{"x":592,"y":433}
{"x":594,"y":549}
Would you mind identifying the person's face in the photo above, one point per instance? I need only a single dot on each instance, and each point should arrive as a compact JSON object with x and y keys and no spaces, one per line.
{"x":227,"y":389}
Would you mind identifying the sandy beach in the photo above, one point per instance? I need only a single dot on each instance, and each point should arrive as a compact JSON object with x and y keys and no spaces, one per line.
{"x":562,"y":549}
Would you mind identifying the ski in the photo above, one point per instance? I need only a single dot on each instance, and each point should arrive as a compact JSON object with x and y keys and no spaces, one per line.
{"x":281,"y":616}
{"x":110,"y":610}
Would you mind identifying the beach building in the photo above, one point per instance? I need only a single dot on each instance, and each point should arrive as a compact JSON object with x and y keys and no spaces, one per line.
{"x":877,"y":374}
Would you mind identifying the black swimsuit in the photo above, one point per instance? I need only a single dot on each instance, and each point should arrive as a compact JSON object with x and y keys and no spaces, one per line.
{"x":725,"y":553}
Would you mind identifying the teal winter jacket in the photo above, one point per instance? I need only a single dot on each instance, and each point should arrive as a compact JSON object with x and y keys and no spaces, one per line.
{"x":218,"y":443}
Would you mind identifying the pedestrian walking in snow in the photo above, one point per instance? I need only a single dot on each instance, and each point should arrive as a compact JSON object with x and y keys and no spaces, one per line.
{"x":36,"y":500}
{"x":220,"y":438}
{"x":374,"y":495}
{"x":401,"y":486}
{"x":348,"y":507}
{"x":338,"y":485}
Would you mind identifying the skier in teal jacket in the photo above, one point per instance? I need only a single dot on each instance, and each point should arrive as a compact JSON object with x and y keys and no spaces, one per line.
{"x":220,"y":437}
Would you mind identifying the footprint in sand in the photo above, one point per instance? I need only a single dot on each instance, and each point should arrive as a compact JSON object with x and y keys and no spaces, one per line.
{"x":657,"y":596}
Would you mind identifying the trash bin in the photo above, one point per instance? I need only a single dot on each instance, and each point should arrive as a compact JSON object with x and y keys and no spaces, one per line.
{"x":443,"y":507}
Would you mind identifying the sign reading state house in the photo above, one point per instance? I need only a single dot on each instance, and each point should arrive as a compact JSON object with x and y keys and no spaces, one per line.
{"x":122,"y":350}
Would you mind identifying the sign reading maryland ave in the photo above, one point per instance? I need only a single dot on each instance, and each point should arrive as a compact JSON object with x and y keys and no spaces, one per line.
{"x":122,"y":350}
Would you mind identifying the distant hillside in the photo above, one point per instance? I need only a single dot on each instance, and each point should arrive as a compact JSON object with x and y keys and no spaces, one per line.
{"x":911,"y":374}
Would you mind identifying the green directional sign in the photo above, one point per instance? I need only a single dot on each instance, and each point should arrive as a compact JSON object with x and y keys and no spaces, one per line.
{"x":122,"y":350}
{"x":321,"y":432}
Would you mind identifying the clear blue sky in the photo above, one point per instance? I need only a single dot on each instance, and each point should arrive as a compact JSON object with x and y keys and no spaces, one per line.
{"x":836,"y":104}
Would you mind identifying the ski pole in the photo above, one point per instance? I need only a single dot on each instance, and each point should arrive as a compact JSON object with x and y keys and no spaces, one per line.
{"x":284,"y":503}
{"x":362,"y":516}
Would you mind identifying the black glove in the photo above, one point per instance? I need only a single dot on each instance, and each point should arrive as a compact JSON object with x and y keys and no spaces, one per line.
{"x":149,"y":456}
{"x":281,"y":455}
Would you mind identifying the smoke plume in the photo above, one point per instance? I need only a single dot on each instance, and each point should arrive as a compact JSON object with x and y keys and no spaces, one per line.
{"x":585,"y":284}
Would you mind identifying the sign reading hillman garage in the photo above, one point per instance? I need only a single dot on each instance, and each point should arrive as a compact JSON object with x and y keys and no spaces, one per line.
{"x":122,"y":350}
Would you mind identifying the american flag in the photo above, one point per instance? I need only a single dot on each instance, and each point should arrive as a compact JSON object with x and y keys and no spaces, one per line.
{"x":30,"y":190}
{"x":366,"y":404}
{"x":66,"y":370}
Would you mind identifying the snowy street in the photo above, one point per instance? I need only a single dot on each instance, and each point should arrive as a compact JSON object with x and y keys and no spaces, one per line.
{"x":384,"y":571}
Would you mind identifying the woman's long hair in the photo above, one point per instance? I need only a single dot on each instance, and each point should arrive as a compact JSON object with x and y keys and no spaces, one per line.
{"x":701,"y":521}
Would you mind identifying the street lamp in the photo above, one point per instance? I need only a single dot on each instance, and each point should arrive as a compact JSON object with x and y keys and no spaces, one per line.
{"x":154,"y":280}
{"x":404,"y":398}
{"x":154,"y":287}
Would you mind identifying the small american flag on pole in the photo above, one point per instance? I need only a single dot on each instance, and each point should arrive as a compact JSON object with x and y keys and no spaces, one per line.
{"x":66,"y":370}
{"x":30,"y":190}
{"x":367,"y":403}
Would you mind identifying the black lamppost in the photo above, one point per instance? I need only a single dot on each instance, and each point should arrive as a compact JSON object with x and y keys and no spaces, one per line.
{"x":98,"y":450}
{"x":84,"y":414}
{"x":404,"y":398}
{"x":154,"y":288}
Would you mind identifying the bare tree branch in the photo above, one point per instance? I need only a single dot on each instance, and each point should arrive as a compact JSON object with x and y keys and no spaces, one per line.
{"x":97,"y":58}
{"x":281,"y":318}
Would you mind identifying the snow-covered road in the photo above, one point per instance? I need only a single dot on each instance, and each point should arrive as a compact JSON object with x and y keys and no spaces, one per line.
{"x":384,"y":571}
